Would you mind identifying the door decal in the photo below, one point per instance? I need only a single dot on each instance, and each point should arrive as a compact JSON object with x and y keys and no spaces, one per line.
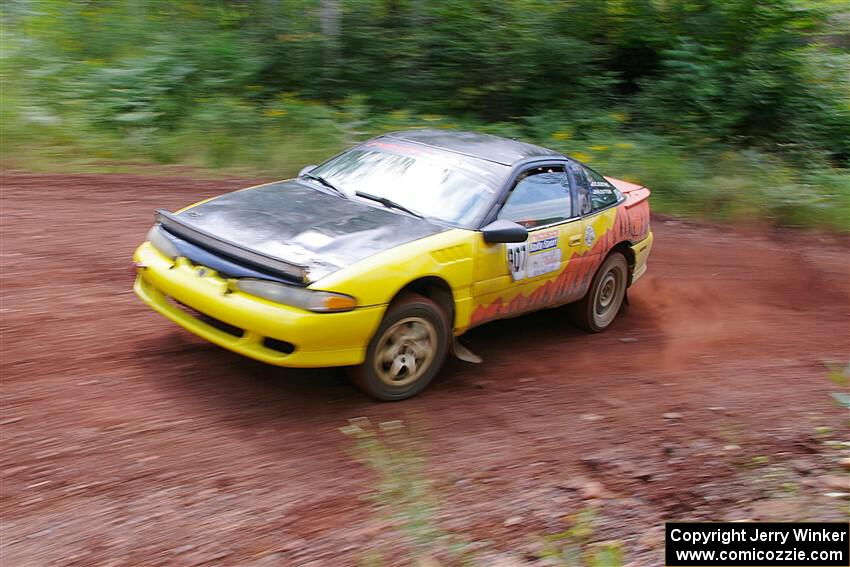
{"x":539,"y":255}
{"x":570,"y":284}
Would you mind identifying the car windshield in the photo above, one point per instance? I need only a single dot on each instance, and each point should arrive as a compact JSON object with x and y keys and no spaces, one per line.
{"x":431,"y":182}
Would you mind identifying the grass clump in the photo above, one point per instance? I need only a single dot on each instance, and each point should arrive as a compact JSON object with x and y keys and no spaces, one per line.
{"x":404,"y":494}
{"x":576,"y":547}
{"x":409,"y":506}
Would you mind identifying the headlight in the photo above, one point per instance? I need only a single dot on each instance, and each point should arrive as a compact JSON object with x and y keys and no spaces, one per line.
{"x":161,"y":242}
{"x":320,"y":301}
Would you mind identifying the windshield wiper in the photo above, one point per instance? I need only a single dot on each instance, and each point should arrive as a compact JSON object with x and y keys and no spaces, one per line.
{"x":388,"y":203}
{"x":327,"y":184}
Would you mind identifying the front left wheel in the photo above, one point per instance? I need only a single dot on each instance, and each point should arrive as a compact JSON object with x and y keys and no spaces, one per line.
{"x":407,"y":350}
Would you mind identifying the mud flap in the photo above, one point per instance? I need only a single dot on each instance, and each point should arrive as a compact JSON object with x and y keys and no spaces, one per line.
{"x":464,"y":354}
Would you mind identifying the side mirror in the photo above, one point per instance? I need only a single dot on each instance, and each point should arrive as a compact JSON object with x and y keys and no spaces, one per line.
{"x":504,"y":231}
{"x":307,"y":169}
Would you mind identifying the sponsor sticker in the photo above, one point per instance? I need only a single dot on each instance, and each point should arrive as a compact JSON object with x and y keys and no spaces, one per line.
{"x":543,"y":241}
{"x":537,"y":256}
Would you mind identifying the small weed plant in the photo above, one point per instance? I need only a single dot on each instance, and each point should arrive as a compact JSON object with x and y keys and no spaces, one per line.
{"x":410,"y":507}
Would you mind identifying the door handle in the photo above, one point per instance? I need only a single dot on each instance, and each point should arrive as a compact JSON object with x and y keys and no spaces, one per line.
{"x":575,"y":240}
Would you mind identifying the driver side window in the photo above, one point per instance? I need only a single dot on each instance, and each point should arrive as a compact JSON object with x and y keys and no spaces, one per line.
{"x":540,"y":197}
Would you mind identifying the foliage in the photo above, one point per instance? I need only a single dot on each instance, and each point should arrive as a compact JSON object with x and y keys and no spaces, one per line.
{"x":575,"y":546}
{"x":403,"y":489}
{"x":723,"y":107}
{"x":394,"y":452}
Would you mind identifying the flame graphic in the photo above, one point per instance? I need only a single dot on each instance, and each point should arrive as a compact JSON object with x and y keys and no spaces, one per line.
{"x":573,"y":281}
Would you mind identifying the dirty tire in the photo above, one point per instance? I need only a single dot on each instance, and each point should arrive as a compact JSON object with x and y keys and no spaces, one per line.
{"x":407,"y":350}
{"x":599,"y":307}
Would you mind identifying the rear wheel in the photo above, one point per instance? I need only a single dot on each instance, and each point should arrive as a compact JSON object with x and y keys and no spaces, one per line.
{"x":406,"y":352}
{"x":598,"y":309}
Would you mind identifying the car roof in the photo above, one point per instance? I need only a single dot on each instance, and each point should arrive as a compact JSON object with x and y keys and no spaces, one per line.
{"x":484,"y":146}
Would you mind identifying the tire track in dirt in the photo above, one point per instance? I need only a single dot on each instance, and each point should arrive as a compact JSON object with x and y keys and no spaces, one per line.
{"x":127,"y":441}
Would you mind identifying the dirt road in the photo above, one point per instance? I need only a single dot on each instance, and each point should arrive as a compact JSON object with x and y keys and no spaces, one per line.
{"x":127,"y":441}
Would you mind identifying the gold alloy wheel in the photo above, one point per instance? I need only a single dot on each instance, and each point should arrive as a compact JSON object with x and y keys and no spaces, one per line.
{"x":405,"y":351}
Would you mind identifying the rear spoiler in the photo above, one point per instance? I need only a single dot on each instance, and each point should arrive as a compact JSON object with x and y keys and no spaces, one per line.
{"x":174,"y":224}
{"x":634,"y":193}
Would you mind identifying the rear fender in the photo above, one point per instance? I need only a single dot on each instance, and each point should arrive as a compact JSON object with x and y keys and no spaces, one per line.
{"x":636,"y":205}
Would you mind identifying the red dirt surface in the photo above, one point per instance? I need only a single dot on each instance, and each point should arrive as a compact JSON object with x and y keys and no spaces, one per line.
{"x":128,"y":441}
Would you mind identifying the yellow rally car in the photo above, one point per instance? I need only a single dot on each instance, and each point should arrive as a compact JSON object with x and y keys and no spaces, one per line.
{"x":383,"y":255}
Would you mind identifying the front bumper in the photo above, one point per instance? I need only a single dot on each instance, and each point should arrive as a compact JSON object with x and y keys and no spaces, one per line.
{"x":246,"y":324}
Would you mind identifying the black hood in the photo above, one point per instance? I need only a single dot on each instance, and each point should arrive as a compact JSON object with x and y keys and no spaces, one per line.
{"x":296,"y":223}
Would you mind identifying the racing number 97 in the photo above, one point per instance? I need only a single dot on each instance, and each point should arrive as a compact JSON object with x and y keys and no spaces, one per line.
{"x":517,"y":259}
